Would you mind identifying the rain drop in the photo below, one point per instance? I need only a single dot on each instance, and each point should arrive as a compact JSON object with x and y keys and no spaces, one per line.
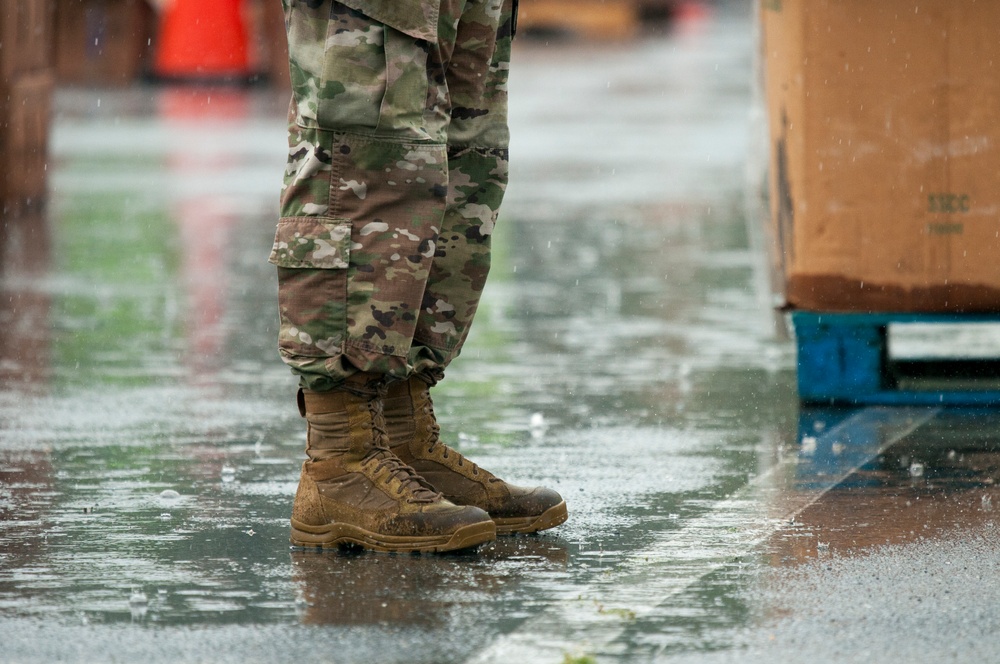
{"x":138,"y":604}
{"x":537,"y":425}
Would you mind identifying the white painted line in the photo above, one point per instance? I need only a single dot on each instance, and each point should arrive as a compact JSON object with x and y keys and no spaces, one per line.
{"x":590,"y":618}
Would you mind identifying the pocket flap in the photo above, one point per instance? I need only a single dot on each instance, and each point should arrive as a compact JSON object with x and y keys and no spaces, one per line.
{"x":312,"y":242}
{"x":417,"y":18}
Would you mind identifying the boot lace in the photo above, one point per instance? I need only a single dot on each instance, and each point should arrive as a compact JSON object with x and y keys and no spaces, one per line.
{"x":409,"y":480}
{"x":434,"y":438}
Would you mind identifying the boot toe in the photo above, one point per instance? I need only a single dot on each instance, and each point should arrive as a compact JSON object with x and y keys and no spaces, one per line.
{"x":527,"y":502}
{"x":529,"y":511}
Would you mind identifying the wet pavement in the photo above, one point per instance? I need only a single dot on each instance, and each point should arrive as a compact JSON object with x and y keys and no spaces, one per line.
{"x":625,"y":354}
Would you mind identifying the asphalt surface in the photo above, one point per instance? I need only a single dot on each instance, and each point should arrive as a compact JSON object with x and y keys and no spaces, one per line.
{"x":625,"y":354}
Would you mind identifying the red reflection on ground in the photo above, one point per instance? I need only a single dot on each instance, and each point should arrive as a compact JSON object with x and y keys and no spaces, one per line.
{"x":205,"y":220}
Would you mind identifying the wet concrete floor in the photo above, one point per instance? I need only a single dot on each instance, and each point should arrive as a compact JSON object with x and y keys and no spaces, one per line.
{"x":625,"y":355}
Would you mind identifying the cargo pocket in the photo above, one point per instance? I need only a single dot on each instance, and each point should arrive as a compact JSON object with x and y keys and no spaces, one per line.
{"x":312,"y":242}
{"x":312,"y":255}
{"x":352,"y":72}
{"x":373,"y":75}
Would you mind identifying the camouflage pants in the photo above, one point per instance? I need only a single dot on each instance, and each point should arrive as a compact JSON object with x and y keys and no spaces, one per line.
{"x":396,"y":169}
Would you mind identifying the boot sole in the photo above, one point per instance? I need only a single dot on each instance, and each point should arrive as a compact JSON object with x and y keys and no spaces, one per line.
{"x":342,"y":534}
{"x":550,"y":518}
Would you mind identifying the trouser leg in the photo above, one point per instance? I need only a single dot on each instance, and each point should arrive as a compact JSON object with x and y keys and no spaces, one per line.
{"x":397,"y":165}
{"x":478,"y":139}
{"x":365,"y":191}
{"x":351,"y":281}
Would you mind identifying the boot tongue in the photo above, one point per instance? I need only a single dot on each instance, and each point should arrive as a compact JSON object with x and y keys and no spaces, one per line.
{"x":434,"y":434}
{"x":430,"y":419}
{"x":420,"y":490}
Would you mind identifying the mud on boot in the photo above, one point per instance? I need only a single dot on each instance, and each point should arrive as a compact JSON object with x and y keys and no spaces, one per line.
{"x":414,"y":436}
{"x":355,"y":491}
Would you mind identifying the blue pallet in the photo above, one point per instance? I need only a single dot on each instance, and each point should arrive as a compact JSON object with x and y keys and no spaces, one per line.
{"x":844,"y":358}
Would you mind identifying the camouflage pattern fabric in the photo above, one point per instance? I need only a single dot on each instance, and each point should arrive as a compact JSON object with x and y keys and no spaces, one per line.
{"x":396,"y":169}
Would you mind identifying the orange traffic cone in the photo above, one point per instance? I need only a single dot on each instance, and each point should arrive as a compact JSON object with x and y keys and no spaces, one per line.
{"x":203,"y":40}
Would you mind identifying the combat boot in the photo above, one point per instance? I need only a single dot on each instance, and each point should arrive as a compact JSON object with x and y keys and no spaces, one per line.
{"x":354,"y":491}
{"x":414,"y":436}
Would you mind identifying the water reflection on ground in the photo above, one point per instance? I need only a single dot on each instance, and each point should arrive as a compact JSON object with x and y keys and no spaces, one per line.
{"x":937,"y":480}
{"x":624,"y":354}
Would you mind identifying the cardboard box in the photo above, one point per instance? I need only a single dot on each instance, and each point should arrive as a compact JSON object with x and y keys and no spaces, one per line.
{"x":102,"y":42}
{"x":25,"y":37}
{"x":885,"y":153}
{"x":25,"y":113}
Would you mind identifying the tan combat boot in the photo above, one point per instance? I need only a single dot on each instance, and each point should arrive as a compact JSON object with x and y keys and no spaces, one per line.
{"x":353,"y":490}
{"x":414,"y":438}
